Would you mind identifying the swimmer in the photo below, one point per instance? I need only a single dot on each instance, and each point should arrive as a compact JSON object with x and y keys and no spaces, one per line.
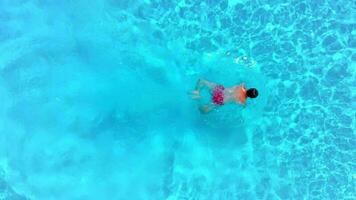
{"x":221,"y":95}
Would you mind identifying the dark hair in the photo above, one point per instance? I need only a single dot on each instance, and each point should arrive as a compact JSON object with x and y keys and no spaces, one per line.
{"x":252,"y":93}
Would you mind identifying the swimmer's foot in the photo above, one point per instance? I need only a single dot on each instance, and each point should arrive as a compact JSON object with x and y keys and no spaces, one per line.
{"x":195,"y":94}
{"x":196,"y":97}
{"x":204,"y":109}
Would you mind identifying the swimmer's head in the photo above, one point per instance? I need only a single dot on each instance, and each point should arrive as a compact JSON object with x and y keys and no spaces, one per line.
{"x":252,"y":93}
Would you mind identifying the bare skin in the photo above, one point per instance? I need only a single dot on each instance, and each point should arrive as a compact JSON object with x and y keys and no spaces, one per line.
{"x":235,"y":94}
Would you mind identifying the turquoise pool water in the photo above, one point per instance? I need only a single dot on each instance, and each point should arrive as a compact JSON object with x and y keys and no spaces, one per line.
{"x":94,"y":105}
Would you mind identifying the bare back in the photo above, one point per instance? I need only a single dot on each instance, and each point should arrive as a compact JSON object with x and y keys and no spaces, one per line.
{"x":235,"y":94}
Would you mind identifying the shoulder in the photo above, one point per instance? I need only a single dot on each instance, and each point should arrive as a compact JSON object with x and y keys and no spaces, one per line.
{"x":242,"y":95}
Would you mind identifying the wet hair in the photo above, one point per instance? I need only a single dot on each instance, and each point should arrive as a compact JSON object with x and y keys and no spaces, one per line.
{"x":252,"y":93}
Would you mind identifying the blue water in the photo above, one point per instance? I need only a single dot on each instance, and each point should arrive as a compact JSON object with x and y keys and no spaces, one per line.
{"x":94,"y":105}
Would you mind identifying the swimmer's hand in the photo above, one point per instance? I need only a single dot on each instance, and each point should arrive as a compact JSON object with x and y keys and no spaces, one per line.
{"x":243,"y":85}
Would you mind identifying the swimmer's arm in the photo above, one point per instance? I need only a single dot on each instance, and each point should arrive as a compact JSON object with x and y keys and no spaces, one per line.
{"x":243,"y":102}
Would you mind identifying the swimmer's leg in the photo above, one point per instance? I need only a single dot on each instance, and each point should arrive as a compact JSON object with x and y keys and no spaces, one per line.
{"x":194,"y":94}
{"x":206,"y":108}
{"x":201,"y":84}
{"x":204,"y":83}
